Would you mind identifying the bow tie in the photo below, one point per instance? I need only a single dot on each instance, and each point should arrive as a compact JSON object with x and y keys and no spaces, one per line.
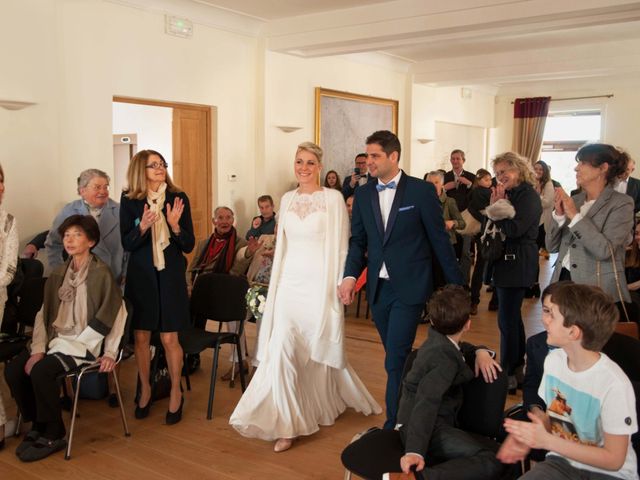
{"x":381,"y":186}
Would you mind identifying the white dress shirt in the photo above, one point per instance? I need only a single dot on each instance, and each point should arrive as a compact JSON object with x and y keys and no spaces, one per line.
{"x":386,"y":197}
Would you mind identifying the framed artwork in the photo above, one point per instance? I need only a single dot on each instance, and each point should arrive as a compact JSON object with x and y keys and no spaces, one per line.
{"x":344,"y":121}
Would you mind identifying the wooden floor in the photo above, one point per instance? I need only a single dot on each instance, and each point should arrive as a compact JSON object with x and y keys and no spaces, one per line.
{"x":198,"y":448}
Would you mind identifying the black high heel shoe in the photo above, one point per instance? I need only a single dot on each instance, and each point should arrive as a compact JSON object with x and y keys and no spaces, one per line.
{"x":143,"y":412}
{"x":174,"y":417}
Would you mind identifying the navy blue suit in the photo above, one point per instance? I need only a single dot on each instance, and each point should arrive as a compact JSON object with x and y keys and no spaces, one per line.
{"x":415,"y":228}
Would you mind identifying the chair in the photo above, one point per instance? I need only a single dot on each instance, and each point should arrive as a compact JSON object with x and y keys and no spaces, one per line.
{"x":380,"y":451}
{"x":219,"y":297}
{"x":78,"y":374}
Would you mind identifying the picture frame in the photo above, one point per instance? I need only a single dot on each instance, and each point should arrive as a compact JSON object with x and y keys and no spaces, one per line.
{"x":343,"y":122}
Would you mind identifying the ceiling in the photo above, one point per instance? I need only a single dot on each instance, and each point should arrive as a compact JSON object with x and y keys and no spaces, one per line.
{"x":446,"y":42}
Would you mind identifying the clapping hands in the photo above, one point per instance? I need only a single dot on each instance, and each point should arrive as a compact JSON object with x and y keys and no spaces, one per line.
{"x":498,"y":193}
{"x":564,"y":204}
{"x":174,"y":214}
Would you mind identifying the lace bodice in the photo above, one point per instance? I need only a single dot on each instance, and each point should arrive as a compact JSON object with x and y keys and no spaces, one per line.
{"x":304,"y":204}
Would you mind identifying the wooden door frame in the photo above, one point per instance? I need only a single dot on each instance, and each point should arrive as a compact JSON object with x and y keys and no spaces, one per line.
{"x":211,"y":119}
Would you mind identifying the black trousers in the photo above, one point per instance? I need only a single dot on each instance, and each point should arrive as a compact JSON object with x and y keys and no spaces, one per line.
{"x":453,"y":454}
{"x":38,"y":394}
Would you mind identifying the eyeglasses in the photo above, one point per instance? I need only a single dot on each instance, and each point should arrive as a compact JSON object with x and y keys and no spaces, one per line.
{"x":157,"y":165}
{"x":98,"y":188}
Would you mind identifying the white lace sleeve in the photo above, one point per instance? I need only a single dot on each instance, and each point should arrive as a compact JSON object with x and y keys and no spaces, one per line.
{"x":8,"y":248}
{"x":305,"y":204}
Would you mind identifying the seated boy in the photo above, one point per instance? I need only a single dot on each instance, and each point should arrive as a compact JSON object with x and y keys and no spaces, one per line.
{"x":432,"y":395}
{"x":590,"y":401}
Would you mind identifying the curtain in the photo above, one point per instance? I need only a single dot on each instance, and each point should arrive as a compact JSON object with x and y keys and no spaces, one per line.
{"x":529,"y":117}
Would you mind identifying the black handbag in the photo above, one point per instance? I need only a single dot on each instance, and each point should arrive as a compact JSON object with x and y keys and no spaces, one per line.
{"x":491,"y":243}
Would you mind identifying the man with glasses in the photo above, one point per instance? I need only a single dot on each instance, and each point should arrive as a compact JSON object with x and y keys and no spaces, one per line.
{"x":359,"y":177}
{"x":93,"y":188}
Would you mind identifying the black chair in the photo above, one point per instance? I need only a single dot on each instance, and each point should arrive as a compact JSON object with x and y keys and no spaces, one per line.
{"x":219,"y":297}
{"x":29,"y":304}
{"x":81,"y":371}
{"x":379,"y":451}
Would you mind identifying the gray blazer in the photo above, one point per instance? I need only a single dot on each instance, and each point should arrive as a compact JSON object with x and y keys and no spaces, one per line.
{"x":610,"y":219}
{"x":109,"y":249}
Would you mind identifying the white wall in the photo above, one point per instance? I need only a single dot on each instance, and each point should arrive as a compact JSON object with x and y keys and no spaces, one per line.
{"x":445,"y":104}
{"x":72,"y":57}
{"x":153,"y":126}
{"x":289,"y":100}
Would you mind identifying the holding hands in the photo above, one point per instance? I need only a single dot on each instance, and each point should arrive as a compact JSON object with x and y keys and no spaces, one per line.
{"x":347,"y":290}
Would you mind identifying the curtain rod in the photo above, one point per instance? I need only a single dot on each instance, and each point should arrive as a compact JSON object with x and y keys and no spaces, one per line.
{"x":608,"y":95}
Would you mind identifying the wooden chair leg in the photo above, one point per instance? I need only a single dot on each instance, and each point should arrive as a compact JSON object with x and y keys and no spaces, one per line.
{"x":116,"y":383}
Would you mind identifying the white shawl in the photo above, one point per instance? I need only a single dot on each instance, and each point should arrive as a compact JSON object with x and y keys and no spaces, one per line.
{"x":327,"y":342}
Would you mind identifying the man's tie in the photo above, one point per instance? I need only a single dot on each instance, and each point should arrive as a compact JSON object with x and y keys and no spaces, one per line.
{"x":381,"y":186}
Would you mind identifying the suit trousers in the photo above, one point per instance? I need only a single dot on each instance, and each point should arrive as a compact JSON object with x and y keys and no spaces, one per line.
{"x":512,"y":336}
{"x":397,"y":324}
{"x":38,"y":394}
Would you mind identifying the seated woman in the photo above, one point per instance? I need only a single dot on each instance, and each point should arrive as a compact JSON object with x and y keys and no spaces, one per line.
{"x":83,"y":311}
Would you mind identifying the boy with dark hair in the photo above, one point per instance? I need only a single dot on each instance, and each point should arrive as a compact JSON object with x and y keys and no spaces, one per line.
{"x":432,"y":396}
{"x":590,"y":401}
{"x":265,"y":223}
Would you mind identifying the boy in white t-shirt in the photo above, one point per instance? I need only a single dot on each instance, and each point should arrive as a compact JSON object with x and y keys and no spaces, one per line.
{"x":590,"y":401}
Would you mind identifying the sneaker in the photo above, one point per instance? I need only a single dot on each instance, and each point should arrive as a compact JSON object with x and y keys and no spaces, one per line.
{"x":42,"y":448}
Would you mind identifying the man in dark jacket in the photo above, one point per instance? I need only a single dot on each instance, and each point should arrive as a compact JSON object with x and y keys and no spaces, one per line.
{"x":457,"y":181}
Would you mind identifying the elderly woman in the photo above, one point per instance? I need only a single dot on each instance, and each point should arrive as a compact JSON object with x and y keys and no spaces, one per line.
{"x":8,"y":262}
{"x":156,"y":228}
{"x":83,"y":315}
{"x":93,"y":188}
{"x":591,"y":229}
{"x":515,"y":208}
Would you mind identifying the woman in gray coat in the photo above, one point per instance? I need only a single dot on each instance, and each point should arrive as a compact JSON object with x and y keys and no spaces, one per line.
{"x":591,"y":229}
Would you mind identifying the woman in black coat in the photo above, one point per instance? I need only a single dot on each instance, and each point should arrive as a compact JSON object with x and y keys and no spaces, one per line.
{"x":515,"y":208}
{"x":156,"y":228}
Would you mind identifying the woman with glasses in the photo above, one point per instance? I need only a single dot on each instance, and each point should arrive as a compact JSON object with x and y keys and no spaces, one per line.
{"x":156,"y":228}
{"x":93,"y":188}
{"x":591,"y":229}
{"x":515,"y":208}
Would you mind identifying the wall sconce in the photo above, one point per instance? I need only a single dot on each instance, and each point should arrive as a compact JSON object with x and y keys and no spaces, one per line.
{"x":14,"y":105}
{"x":288,"y":129}
{"x":424,"y":140}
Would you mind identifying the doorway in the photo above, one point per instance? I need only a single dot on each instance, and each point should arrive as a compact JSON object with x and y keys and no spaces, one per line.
{"x":183,"y":134}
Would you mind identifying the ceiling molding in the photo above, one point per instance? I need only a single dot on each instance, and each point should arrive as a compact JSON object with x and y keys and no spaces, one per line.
{"x":200,"y":14}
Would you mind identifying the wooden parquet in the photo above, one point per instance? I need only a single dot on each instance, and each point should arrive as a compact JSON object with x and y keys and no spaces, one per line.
{"x":198,"y":448}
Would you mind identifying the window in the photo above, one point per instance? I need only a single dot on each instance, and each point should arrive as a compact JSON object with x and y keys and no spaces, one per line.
{"x":564,"y":134}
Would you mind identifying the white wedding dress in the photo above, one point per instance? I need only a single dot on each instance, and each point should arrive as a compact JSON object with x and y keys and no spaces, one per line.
{"x":290,"y":394}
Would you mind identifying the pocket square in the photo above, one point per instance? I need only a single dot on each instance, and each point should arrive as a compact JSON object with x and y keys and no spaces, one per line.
{"x":403,"y":209}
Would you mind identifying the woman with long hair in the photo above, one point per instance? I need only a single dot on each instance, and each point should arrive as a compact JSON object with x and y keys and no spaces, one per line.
{"x":156,"y":228}
{"x":332,"y":180}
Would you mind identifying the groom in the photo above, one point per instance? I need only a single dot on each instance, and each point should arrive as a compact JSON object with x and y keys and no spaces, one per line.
{"x":397,"y":221}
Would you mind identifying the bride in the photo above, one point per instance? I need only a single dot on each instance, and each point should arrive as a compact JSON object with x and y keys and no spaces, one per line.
{"x":303,"y":379}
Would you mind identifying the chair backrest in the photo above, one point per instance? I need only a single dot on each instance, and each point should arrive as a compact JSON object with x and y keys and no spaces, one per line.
{"x":30,"y":300}
{"x":483,"y":405}
{"x":220,"y":297}
{"x":628,"y":328}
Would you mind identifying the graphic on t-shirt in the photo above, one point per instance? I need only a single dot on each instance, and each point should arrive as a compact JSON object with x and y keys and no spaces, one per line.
{"x":574,"y":415}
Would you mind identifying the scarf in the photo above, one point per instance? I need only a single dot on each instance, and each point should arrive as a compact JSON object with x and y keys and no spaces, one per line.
{"x":159,"y":230}
{"x":73,"y":298}
{"x":221,"y":249}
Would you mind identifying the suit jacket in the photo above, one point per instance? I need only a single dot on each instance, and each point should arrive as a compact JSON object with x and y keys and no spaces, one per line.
{"x":238,"y":267}
{"x":461,"y":193}
{"x":633,"y":190}
{"x":415,"y":227}
{"x":609,"y":221}
{"x":109,"y":249}
{"x":347,"y":191}
{"x":432,"y":390}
